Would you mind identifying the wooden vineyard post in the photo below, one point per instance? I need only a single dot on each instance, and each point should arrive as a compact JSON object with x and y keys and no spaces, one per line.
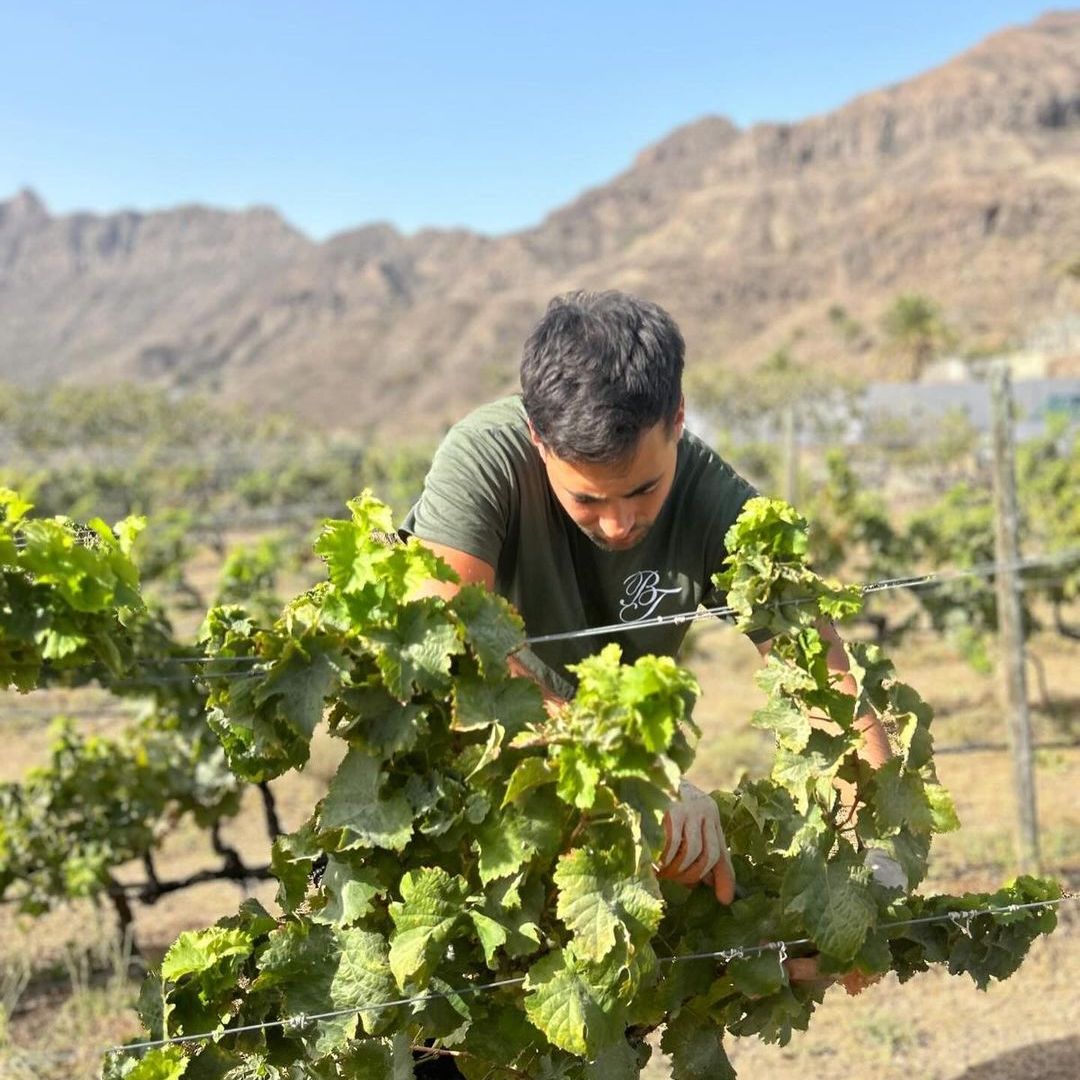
{"x":791,"y":454}
{"x":1010,"y":622}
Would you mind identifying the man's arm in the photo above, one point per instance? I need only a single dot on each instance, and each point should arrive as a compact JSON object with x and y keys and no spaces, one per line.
{"x":470,"y":569}
{"x":474,"y":571}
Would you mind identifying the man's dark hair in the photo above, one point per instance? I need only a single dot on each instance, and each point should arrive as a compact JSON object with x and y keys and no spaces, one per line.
{"x":599,"y":370}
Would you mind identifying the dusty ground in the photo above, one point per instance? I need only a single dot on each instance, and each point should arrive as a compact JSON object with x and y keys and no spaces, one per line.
{"x":64,"y":995}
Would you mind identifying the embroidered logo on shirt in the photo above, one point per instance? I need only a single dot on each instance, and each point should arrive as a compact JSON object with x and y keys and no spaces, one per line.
{"x":642,"y":595}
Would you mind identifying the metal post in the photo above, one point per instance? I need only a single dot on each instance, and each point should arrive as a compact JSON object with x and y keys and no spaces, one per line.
{"x":1010,"y":623}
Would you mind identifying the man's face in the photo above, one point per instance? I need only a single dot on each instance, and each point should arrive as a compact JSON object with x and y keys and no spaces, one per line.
{"x":616,"y":505}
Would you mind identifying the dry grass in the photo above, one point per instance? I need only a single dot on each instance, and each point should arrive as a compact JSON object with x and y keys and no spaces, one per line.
{"x":66,"y":992}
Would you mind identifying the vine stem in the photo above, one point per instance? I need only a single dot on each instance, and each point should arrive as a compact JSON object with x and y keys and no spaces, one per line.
{"x":273,"y":822}
{"x":125,"y":918}
{"x":441,"y":1052}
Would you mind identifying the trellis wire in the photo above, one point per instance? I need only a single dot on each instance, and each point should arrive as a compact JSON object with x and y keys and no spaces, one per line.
{"x":302,"y":1020}
{"x":920,"y":581}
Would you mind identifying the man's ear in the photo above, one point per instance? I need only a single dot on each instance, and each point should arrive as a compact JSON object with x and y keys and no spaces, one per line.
{"x":536,"y":441}
{"x":680,"y":419}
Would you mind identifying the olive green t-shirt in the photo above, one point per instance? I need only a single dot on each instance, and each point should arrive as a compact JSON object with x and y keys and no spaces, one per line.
{"x":487,"y":494}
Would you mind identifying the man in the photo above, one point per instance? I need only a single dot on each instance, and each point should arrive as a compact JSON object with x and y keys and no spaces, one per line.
{"x":586,"y":503}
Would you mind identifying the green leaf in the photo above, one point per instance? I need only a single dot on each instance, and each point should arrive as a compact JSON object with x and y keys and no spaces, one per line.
{"x":834,"y":898}
{"x":292,"y":858}
{"x":566,"y":1000}
{"x":160,"y":1063}
{"x":353,"y":803}
{"x":942,"y":809}
{"x":616,"y":1062}
{"x":695,"y":1045}
{"x":414,"y":653}
{"x":492,"y":935}
{"x":364,"y":976}
{"x":13,"y":507}
{"x":602,"y":896}
{"x":900,"y":799}
{"x":510,"y":919}
{"x":512,"y":703}
{"x":301,"y":679}
{"x":350,"y":892}
{"x":197,"y":951}
{"x":510,"y":839}
{"x":492,"y":627}
{"x":809,"y":774}
{"x":528,"y":774}
{"x":369,"y":1059}
{"x":757,"y":975}
{"x":578,"y":776}
{"x":374,"y":720}
{"x":302,"y":960}
{"x":432,"y":903}
{"x":791,"y":725}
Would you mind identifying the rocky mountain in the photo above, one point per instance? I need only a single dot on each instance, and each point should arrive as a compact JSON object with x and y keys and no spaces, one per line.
{"x":963,"y":184}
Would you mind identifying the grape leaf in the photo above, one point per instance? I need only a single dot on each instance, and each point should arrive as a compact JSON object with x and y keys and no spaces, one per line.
{"x":900,"y":799}
{"x":302,"y":959}
{"x":492,"y":627}
{"x":616,"y":1062}
{"x":197,"y":951}
{"x":513,"y":703}
{"x":568,"y":1002}
{"x":431,"y":906}
{"x":350,"y":892}
{"x":414,"y":652}
{"x":364,"y":976}
{"x":528,"y":774}
{"x":509,"y":839}
{"x":600,"y":894}
{"x":791,"y":725}
{"x":301,"y":679}
{"x":695,"y":1045}
{"x":834,"y":898}
{"x":353,"y":803}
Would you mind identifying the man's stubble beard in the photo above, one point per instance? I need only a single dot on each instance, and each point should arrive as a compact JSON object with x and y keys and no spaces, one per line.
{"x":604,"y":545}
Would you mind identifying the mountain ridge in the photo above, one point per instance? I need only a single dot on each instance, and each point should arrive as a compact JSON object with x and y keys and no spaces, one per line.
{"x":963,"y":183}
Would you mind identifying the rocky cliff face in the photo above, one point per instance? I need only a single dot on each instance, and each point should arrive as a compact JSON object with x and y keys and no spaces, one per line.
{"x":963,"y":183}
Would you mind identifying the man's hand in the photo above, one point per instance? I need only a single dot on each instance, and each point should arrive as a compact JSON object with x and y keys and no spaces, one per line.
{"x":695,"y":849}
{"x":805,"y":971}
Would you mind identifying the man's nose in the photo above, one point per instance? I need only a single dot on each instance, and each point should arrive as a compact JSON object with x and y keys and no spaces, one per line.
{"x":618,"y":523}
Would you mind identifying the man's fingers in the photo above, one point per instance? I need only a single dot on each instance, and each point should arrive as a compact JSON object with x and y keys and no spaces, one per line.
{"x":696,"y":846}
{"x":723,"y":882}
{"x":694,"y":873}
{"x":674,"y":835}
{"x":805,"y":971}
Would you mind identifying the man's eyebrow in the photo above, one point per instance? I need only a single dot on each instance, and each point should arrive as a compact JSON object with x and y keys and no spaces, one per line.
{"x":582,"y":496}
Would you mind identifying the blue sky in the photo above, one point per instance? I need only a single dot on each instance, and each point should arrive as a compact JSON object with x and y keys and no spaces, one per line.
{"x":487,"y":115}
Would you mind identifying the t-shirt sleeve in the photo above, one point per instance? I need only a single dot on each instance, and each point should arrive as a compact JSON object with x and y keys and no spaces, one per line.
{"x":466,"y":496}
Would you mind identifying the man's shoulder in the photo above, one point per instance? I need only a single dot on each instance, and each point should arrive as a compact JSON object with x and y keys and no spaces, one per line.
{"x":493,"y":439}
{"x":505,"y":415}
{"x":701,"y":464}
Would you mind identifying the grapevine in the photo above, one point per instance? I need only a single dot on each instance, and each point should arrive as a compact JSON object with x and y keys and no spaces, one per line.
{"x":471,"y":840}
{"x":72,"y":612}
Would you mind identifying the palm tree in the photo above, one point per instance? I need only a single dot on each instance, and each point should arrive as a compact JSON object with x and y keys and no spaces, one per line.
{"x":915,"y":328}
